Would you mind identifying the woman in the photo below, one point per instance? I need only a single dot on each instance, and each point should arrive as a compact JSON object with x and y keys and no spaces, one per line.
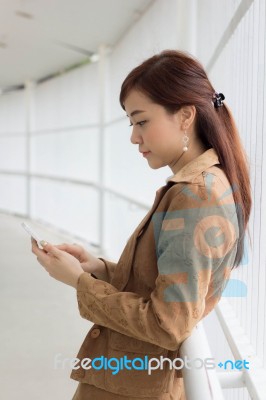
{"x":177,"y":262}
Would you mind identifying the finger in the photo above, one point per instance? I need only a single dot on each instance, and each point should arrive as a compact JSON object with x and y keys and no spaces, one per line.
{"x":51,"y":249}
{"x":33,"y":240}
{"x":61,"y":246}
{"x":35,"y":248}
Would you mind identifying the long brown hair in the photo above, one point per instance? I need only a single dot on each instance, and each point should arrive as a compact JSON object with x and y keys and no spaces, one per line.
{"x":174,"y":79}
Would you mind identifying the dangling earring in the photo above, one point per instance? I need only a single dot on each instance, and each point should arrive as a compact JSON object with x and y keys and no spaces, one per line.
{"x":185,"y":141}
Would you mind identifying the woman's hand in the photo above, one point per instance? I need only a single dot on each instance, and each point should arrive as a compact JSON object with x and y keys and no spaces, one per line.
{"x":59,"y":264}
{"x":88,"y":262}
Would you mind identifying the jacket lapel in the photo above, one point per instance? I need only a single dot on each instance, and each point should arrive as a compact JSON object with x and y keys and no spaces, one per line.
{"x":123,"y":268}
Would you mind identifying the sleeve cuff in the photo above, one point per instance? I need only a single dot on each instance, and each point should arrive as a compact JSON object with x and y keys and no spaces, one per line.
{"x":109,"y":268}
{"x":83,"y":280}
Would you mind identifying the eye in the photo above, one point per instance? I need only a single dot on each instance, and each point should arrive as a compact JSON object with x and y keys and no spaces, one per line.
{"x":141,"y":123}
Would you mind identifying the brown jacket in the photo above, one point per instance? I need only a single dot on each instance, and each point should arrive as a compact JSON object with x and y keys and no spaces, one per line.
{"x":170,"y":275}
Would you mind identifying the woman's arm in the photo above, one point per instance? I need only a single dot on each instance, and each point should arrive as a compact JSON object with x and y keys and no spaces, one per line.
{"x":98,"y":267}
{"x":67,"y":262}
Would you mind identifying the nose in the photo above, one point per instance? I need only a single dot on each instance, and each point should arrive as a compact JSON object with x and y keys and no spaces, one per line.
{"x":135,"y":137}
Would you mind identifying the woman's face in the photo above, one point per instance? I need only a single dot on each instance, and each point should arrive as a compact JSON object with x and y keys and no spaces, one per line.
{"x":158,"y":134}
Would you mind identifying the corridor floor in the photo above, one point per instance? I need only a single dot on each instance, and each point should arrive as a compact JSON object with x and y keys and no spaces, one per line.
{"x":39,"y":319}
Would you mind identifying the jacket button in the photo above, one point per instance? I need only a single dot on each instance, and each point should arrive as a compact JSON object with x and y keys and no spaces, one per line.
{"x":95,"y":333}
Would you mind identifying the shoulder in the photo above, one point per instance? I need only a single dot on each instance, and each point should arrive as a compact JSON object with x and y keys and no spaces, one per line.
{"x":209,"y":187}
{"x":206,"y":201}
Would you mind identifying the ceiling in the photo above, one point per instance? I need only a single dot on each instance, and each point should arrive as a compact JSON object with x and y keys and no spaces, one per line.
{"x":41,"y":37}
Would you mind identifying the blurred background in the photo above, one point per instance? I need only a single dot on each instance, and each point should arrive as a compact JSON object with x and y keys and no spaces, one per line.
{"x":68,"y":168}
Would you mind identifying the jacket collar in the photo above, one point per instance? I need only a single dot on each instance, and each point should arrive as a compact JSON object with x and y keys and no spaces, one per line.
{"x":195,"y":167}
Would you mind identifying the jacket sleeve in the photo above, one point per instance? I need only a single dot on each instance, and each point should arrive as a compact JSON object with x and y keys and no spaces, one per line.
{"x":193,"y":245}
{"x":109,"y":267}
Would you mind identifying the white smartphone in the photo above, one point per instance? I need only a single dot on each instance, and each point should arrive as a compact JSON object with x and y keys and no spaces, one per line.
{"x":31,"y":232}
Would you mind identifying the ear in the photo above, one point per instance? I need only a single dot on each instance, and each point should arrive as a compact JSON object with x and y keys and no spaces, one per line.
{"x":188,"y":114}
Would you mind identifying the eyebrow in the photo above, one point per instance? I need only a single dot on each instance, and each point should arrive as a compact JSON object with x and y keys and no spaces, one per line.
{"x":136,"y":112}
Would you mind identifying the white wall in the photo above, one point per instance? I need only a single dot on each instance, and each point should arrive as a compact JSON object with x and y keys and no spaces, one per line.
{"x":12,"y":152}
{"x":65,"y":144}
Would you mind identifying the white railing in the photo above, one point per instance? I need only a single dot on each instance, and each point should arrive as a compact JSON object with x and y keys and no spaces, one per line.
{"x":200,"y":383}
{"x":254,"y":378}
{"x":62,"y":180}
{"x":206,"y":383}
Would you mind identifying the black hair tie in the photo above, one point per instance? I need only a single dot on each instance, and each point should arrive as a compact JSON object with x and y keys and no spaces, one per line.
{"x":217,"y":99}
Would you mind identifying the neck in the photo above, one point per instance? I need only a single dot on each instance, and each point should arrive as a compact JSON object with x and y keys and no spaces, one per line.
{"x":194,"y":151}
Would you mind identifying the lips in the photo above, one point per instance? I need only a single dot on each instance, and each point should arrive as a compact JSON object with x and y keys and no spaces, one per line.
{"x":145,"y":153}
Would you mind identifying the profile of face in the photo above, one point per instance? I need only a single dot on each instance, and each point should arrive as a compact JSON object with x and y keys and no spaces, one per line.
{"x":157,"y":133}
